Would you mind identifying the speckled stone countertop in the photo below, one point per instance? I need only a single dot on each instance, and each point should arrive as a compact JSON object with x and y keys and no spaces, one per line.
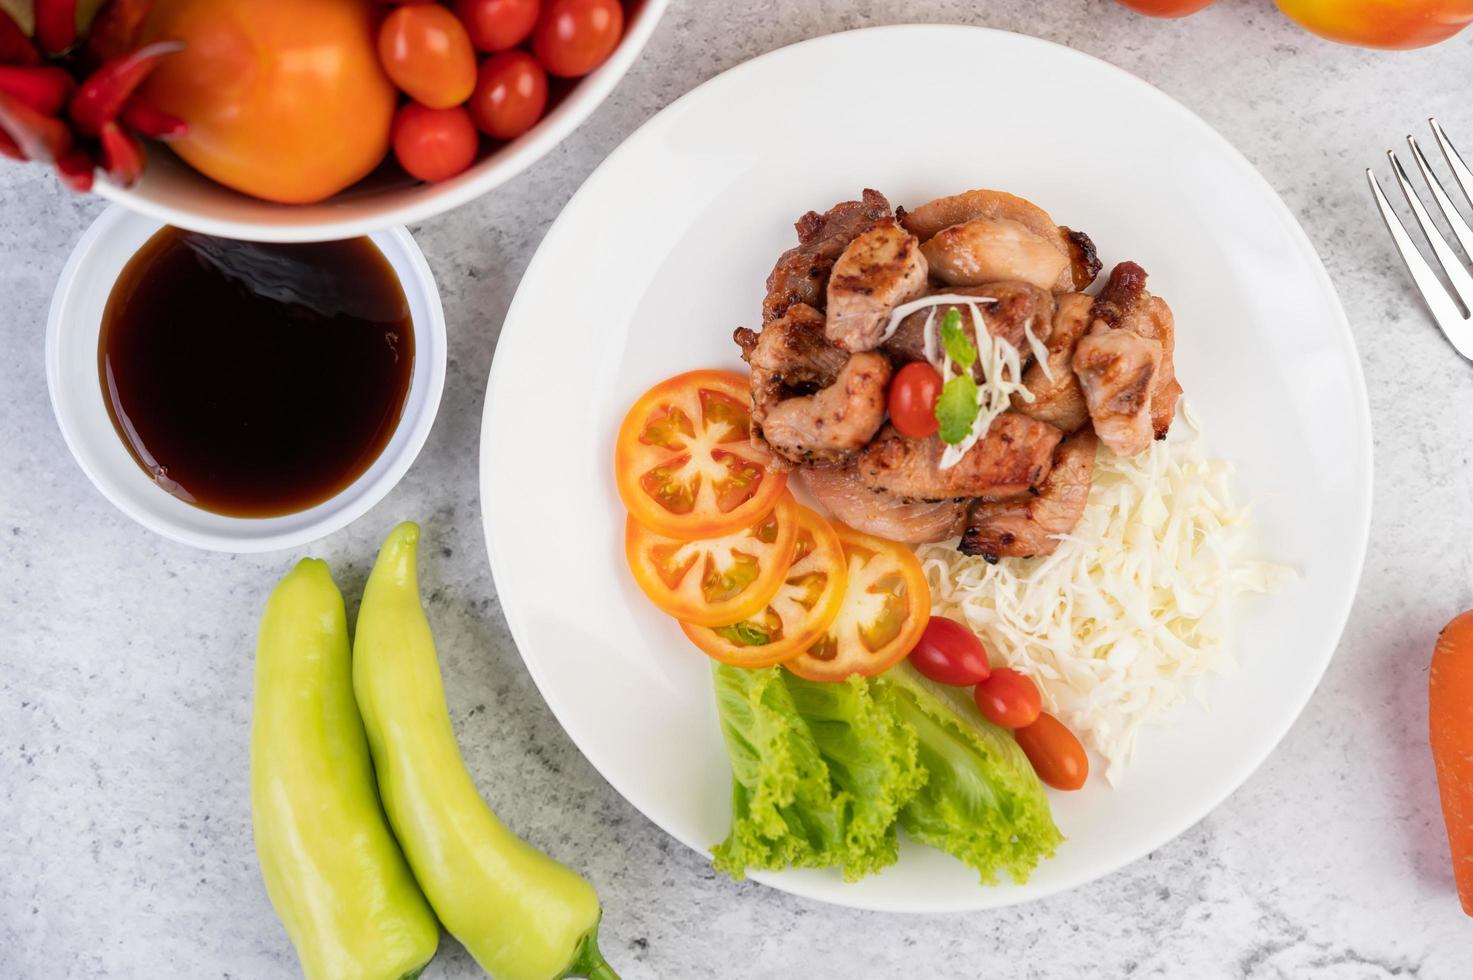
{"x":125,"y":661}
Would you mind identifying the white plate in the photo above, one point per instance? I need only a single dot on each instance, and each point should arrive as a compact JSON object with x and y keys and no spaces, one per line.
{"x":664,"y":250}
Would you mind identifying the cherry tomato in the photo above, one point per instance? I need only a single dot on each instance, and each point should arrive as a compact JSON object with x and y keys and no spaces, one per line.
{"x":1382,"y":23}
{"x":434,"y":144}
{"x":426,"y":51}
{"x":949,"y":653}
{"x":497,"y":25}
{"x":1008,"y":699}
{"x":807,"y":602}
{"x":1166,"y":8}
{"x":511,"y":92}
{"x":684,"y":462}
{"x":573,"y":37}
{"x":1055,"y":753}
{"x":886,"y":606}
{"x":913,"y":395}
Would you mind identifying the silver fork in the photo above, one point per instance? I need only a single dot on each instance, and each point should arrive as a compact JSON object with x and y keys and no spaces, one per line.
{"x":1452,"y":311}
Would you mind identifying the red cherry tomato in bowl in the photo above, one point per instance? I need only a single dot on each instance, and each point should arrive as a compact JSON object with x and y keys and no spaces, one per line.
{"x":434,"y":144}
{"x":426,"y":52}
{"x":1054,"y":752}
{"x":497,"y":25}
{"x":1008,"y":699}
{"x":1166,"y":8}
{"x":510,"y":95}
{"x":913,"y":394}
{"x":573,"y":37}
{"x":949,"y":653}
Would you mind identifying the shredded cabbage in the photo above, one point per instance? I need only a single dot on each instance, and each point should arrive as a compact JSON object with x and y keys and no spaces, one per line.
{"x":1121,"y":623}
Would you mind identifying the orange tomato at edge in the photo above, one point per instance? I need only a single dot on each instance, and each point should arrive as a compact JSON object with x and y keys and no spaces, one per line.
{"x":1381,"y":23}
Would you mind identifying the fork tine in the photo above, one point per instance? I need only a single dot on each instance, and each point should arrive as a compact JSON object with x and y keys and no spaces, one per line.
{"x":1460,"y":228}
{"x":1445,"y":314}
{"x":1452,"y":267}
{"x":1460,"y":170}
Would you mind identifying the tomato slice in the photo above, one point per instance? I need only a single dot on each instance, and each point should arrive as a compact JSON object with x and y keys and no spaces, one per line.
{"x":806,"y":602}
{"x":712,"y":581}
{"x":887,"y":604}
{"x":684,"y":462}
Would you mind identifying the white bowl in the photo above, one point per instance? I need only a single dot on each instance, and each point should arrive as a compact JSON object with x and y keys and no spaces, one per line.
{"x":76,"y":397}
{"x":175,"y":194}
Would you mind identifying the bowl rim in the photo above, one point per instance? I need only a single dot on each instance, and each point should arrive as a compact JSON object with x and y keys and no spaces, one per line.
{"x":485,"y":175}
{"x":243,"y":535}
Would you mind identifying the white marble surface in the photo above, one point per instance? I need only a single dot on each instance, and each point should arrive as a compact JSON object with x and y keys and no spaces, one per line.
{"x":125,"y":661}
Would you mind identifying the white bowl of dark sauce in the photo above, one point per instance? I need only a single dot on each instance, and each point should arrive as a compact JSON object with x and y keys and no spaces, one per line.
{"x":240,"y":396}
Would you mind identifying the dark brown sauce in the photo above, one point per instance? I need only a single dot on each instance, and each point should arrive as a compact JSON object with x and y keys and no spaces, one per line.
{"x":255,"y":380}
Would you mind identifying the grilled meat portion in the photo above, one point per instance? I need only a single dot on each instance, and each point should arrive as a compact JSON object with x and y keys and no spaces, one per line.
{"x":930,"y":218}
{"x":845,"y":496}
{"x":1028,"y":525}
{"x":1011,"y":308}
{"x":986,"y":250}
{"x":878,"y":271}
{"x":1084,"y":261}
{"x":1058,"y":400}
{"x":1014,"y":456}
{"x":801,"y":274}
{"x":812,"y":403}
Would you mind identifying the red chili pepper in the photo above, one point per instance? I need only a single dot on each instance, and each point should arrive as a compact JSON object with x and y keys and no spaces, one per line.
{"x":102,"y":95}
{"x":56,"y":25}
{"x":76,"y":169}
{"x":39,"y":136}
{"x":116,"y":30}
{"x":15,"y":47}
{"x":42,"y":87}
{"x":122,"y":155}
{"x":8,"y":147}
{"x":144,"y":119}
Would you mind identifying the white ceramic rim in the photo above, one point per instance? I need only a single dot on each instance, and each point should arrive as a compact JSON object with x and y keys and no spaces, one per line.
{"x":484,"y":176}
{"x":241,"y":535}
{"x":508,"y":582}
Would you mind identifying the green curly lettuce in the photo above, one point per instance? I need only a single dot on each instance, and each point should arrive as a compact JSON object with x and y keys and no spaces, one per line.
{"x":981,"y":802}
{"x":822,"y":775}
{"x":819,"y":773}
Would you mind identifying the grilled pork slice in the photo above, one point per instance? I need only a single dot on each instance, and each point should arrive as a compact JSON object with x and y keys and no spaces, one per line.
{"x":1126,"y":363}
{"x":812,"y":404}
{"x":1084,"y":261}
{"x":986,"y":250}
{"x":1057,"y":397}
{"x":1011,"y":307}
{"x":878,"y":271}
{"x":844,"y":495}
{"x":801,"y":274}
{"x":1012,"y":457}
{"x":1029,"y":525}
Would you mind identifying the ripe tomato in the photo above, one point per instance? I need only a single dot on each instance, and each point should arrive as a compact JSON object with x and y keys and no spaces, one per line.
{"x":434,"y":144}
{"x":913,"y":395}
{"x":806,"y":603}
{"x":1055,"y":753}
{"x":497,"y":25}
{"x":886,"y":606}
{"x":1382,"y":23}
{"x":1166,"y":8}
{"x":428,"y":54}
{"x":285,"y":99}
{"x":573,"y":37}
{"x":511,"y":92}
{"x":949,"y":653}
{"x":714,"y":581}
{"x":684,"y":462}
{"x":1008,"y":699}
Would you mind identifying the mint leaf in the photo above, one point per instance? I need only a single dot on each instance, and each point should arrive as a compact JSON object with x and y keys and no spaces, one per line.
{"x":957,"y":408}
{"x":954,"y":339}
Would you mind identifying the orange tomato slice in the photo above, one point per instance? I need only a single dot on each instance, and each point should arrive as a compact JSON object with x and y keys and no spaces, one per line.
{"x":887,"y":605}
{"x":797,"y":615}
{"x":684,"y":462}
{"x":714,"y":580}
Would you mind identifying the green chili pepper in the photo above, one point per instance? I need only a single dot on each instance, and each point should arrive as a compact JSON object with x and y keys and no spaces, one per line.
{"x":522,"y":915}
{"x":335,"y":875}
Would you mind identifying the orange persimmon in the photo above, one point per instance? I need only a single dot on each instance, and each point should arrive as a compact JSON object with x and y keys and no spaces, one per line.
{"x":1382,"y":23}
{"x":1450,"y":719}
